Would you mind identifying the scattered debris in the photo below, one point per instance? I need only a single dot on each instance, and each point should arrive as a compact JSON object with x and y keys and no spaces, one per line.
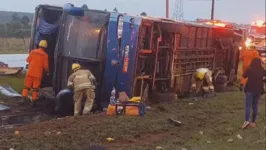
{"x":11,"y":149}
{"x":239,"y":137}
{"x":47,"y":133}
{"x":148,"y":108}
{"x":158,"y":147}
{"x":175,"y":122}
{"x":17,"y":133}
{"x":183,"y":149}
{"x":230,"y":140}
{"x":58,"y":133}
{"x":190,"y":103}
{"x":4,"y":108}
{"x":9,"y":92}
{"x":259,"y":141}
{"x":201,"y":132}
{"x":110,"y":139}
{"x":209,"y":142}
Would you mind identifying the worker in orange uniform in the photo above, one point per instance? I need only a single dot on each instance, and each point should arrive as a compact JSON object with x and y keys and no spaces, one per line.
{"x":247,"y":56}
{"x":38,"y":63}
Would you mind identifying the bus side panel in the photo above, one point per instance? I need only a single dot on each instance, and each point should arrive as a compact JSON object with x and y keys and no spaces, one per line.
{"x":110,"y":73}
{"x":127,"y":64}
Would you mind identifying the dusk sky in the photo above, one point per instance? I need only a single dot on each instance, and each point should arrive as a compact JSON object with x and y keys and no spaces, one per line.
{"x":240,"y":11}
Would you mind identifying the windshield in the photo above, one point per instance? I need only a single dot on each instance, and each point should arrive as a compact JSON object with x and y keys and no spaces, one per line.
{"x":258,"y":30}
{"x":84,"y":36}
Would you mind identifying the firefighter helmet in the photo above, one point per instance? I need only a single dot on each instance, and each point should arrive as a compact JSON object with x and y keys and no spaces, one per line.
{"x":43,"y":43}
{"x":75,"y":66}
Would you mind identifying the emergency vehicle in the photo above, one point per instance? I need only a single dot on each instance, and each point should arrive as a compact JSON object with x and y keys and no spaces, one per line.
{"x":137,"y":55}
{"x":256,"y":34}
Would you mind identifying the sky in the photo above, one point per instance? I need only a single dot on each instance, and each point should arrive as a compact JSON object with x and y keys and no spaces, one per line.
{"x":239,"y":11}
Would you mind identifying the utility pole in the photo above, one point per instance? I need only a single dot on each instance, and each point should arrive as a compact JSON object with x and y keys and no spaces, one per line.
{"x":212,"y":11}
{"x":212,"y":6}
{"x":167,"y":8}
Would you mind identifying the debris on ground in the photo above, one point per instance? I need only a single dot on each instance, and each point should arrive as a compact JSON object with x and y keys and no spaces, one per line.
{"x":239,"y":137}
{"x":158,"y":147}
{"x":17,"y":133}
{"x":9,"y":92}
{"x":183,"y":149}
{"x":230,"y":140}
{"x":201,"y":132}
{"x":110,"y":139}
{"x":259,"y":141}
{"x":148,"y":108}
{"x":190,"y":103}
{"x":4,"y":108}
{"x":174,"y":122}
{"x":209,"y":142}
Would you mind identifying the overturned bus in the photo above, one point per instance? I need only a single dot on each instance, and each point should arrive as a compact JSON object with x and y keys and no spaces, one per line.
{"x":133,"y":54}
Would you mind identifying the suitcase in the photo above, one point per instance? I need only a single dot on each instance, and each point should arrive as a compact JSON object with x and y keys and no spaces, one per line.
{"x":127,"y":108}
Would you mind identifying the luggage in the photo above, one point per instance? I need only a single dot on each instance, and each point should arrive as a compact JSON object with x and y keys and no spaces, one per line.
{"x":128,"y":108}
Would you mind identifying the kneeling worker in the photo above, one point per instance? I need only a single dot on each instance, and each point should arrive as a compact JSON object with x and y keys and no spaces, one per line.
{"x":38,"y":64}
{"x":202,"y":83}
{"x":84,"y":84}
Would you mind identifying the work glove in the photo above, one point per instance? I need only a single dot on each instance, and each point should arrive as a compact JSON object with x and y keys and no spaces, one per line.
{"x":70,"y":88}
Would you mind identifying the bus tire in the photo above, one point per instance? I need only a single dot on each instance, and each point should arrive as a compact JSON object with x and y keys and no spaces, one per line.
{"x":221,"y":79}
{"x":221,"y":88}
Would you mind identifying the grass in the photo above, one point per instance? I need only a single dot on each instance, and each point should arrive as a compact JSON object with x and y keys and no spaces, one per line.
{"x":219,"y":118}
{"x":16,"y":82}
{"x":14,"y":46}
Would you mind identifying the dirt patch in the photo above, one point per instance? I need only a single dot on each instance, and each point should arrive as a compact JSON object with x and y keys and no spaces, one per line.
{"x":142,"y":139}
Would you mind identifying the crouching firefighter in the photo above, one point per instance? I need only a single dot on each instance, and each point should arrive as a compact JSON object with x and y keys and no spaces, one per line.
{"x":38,"y":65}
{"x":83,"y":83}
{"x":202,"y":83}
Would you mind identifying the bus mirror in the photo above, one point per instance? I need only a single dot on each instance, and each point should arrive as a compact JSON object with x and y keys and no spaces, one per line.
{"x":74,"y":11}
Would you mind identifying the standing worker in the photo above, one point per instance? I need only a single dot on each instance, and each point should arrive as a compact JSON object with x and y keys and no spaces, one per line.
{"x":84,"y":84}
{"x":38,"y":63}
{"x":247,"y":56}
{"x":202,"y":83}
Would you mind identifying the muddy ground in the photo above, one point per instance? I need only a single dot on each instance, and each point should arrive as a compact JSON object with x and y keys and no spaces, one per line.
{"x":219,"y":119}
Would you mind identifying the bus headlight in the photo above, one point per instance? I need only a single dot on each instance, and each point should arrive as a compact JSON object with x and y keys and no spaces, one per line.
{"x":120,"y":26}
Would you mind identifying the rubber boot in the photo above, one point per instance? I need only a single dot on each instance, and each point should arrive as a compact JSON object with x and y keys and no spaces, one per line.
{"x":23,"y":101}
{"x":241,"y":87}
{"x":33,"y":104}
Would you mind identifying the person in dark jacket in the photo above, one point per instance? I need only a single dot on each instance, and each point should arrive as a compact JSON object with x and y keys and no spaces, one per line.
{"x":253,"y":90}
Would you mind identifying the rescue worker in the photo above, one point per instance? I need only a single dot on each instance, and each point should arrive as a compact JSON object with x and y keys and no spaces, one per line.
{"x":38,"y":64}
{"x":202,"y":83}
{"x":83,"y":82}
{"x":247,"y":55}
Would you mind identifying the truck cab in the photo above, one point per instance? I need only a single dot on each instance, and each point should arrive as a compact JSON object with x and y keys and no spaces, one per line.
{"x":257,"y":35}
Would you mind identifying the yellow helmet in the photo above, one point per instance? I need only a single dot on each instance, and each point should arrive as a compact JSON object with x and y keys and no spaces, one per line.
{"x":200,"y":73}
{"x":75,"y":66}
{"x":43,"y":43}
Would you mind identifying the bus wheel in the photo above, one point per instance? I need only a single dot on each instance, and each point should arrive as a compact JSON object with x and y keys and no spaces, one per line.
{"x":221,"y":79}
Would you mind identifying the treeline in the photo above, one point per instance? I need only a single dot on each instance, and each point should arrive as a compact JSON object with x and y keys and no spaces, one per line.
{"x":18,"y":27}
